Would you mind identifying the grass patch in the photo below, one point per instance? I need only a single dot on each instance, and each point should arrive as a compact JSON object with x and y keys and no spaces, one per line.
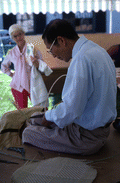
{"x":5,"y":94}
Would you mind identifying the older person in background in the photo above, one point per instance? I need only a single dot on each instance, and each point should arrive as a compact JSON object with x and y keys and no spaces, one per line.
{"x":20,"y":84}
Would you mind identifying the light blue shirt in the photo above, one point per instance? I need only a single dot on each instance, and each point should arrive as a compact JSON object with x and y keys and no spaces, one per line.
{"x":89,"y":92}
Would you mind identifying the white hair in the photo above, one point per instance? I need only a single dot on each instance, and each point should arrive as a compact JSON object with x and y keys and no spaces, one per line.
{"x":14,"y":28}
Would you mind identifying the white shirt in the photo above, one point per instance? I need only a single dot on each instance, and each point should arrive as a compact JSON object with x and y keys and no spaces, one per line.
{"x":38,"y":90}
{"x":89,"y":92}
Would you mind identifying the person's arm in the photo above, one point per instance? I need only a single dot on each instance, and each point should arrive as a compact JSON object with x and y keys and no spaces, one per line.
{"x":35,"y":61}
{"x":113,"y":51}
{"x":39,"y":63}
{"x":37,"y":55}
{"x":5,"y":66}
{"x":46,"y":123}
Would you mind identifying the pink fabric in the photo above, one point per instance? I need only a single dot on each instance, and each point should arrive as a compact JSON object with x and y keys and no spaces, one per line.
{"x":21,"y":78}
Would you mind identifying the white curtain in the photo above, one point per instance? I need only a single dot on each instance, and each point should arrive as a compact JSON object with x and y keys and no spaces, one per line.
{"x":52,"y":6}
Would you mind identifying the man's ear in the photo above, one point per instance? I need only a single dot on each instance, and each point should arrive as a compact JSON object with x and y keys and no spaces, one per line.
{"x":61,"y":40}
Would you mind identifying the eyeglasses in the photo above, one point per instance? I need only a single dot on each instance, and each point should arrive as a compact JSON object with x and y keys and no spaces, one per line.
{"x":50,"y":49}
{"x":17,"y":35}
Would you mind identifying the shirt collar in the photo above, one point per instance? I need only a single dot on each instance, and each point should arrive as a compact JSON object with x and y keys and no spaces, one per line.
{"x":24,"y":48}
{"x":78,"y":45}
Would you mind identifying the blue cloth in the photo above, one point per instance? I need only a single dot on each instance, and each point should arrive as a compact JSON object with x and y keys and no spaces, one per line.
{"x":89,"y":92}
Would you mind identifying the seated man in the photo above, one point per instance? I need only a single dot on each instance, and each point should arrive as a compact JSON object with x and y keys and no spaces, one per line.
{"x":80,"y":124}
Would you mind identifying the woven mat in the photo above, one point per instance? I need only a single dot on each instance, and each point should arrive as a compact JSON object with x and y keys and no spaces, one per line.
{"x":55,"y":170}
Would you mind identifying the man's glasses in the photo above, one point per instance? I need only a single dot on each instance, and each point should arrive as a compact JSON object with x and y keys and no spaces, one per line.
{"x":50,"y":49}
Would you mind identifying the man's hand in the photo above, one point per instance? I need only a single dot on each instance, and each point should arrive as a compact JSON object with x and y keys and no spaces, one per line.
{"x":35,"y":61}
{"x":46,"y":123}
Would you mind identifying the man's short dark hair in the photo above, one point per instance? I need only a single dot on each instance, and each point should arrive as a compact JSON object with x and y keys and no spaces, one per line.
{"x":59,"y":27}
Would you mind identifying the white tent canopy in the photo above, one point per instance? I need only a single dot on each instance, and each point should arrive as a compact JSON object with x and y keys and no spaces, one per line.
{"x":52,"y":6}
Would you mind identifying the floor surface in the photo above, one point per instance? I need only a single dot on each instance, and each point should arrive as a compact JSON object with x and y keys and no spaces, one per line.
{"x":108,"y":169}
